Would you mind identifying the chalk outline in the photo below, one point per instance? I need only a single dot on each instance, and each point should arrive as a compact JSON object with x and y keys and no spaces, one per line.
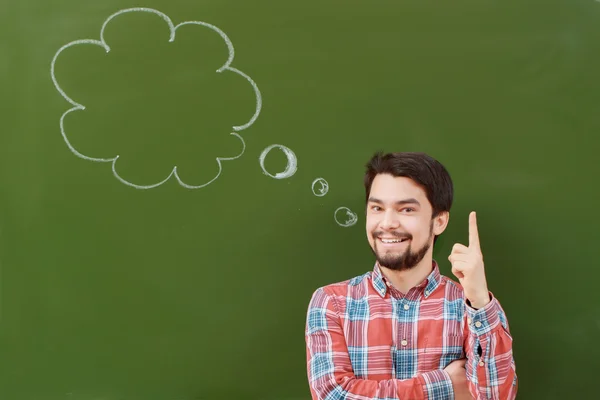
{"x":324,"y":187}
{"x":172,"y":28}
{"x":353,"y":217}
{"x":292,"y":161}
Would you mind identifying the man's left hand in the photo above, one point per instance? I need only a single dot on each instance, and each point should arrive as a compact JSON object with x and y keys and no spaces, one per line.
{"x":467,"y":266}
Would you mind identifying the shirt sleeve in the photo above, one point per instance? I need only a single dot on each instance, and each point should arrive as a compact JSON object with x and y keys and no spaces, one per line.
{"x":330,"y":373}
{"x":490,"y":367}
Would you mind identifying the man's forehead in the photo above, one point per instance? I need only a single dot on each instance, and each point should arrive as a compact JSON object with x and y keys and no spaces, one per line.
{"x":397,"y":184}
{"x":391,"y":190}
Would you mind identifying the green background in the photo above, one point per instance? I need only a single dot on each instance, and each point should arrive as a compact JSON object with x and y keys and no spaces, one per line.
{"x":112,"y":293}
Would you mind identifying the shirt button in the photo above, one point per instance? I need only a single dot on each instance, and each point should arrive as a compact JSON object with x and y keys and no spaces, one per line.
{"x":481,"y":363}
{"x":404,"y":342}
{"x":478,"y":324}
{"x":469,"y":321}
{"x":406,"y":306}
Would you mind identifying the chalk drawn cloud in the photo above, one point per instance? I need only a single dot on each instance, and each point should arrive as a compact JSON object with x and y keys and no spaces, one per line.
{"x":172,"y":29}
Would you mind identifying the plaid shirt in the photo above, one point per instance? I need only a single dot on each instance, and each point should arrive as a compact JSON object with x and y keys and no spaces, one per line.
{"x":366,"y":340}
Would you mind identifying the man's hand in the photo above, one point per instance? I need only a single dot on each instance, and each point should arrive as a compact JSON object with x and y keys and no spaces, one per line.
{"x":458,"y":375}
{"x":467,"y":266}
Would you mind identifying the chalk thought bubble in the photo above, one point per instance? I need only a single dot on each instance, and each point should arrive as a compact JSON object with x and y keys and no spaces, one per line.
{"x":351,"y":217}
{"x":291,"y":166}
{"x":172,"y":34}
{"x":320,"y":187}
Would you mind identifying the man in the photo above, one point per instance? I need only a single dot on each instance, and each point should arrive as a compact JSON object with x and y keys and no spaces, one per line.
{"x":402,"y":330}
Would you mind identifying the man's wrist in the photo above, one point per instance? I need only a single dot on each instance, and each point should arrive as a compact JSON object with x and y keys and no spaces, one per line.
{"x":437,"y":384}
{"x":479,"y":302}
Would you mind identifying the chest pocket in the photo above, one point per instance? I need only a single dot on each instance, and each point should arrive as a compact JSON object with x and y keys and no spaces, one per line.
{"x":452,"y":349}
{"x":438,"y":352}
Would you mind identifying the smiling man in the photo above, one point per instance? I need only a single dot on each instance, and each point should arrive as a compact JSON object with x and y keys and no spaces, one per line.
{"x":403,"y":330}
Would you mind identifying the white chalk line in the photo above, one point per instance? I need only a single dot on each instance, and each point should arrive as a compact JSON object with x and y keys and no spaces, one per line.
{"x":139,"y":9}
{"x":60,"y":90}
{"x":219,"y":159}
{"x":290,"y":168}
{"x":352,"y":217}
{"x":322,"y":191}
{"x":176,"y":175}
{"x":172,"y":29}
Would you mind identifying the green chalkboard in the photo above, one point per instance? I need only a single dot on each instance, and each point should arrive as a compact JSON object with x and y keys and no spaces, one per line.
{"x":162,"y":221}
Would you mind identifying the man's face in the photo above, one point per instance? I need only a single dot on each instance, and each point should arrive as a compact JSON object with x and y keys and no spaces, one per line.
{"x":399,"y":225}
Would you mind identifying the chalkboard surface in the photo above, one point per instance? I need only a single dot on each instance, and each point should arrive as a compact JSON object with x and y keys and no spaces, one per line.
{"x":176,"y":180}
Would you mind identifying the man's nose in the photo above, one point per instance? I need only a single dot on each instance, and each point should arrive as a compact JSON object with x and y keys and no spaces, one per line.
{"x":390,"y":220}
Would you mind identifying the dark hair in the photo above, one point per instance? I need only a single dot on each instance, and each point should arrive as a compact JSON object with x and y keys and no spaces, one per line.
{"x":426,"y":171}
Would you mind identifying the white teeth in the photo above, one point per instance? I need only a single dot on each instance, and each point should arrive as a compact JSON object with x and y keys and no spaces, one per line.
{"x":390,"y":240}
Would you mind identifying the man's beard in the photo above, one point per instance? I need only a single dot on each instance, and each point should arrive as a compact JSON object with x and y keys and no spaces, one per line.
{"x":406,"y":260}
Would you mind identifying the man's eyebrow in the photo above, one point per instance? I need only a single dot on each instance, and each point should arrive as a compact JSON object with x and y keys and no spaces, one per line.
{"x":398,"y":203}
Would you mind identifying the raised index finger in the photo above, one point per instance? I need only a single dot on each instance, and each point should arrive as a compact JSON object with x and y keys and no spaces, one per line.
{"x":473,"y":231}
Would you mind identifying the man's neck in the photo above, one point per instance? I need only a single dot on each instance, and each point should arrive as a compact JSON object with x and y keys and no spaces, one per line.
{"x":407,"y":279}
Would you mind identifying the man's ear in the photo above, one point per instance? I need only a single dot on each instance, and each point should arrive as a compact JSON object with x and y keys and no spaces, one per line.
{"x":440,"y":222}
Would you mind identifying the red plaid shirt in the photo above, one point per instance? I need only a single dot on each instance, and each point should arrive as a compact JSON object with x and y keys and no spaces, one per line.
{"x":366,"y":340}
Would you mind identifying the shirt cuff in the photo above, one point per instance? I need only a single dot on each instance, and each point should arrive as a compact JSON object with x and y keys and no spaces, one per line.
{"x":437,"y":385}
{"x":483,"y":320}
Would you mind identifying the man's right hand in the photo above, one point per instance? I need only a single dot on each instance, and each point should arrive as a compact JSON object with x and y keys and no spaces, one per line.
{"x":458,"y":375}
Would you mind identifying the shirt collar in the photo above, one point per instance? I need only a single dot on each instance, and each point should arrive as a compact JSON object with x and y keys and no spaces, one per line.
{"x":428,"y":285}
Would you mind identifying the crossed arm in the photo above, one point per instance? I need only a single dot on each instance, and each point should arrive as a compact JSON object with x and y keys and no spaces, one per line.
{"x":331,"y":375}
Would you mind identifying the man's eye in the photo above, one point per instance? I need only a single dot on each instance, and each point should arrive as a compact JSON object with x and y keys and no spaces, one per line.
{"x":375,"y":208}
{"x":408,"y":209}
